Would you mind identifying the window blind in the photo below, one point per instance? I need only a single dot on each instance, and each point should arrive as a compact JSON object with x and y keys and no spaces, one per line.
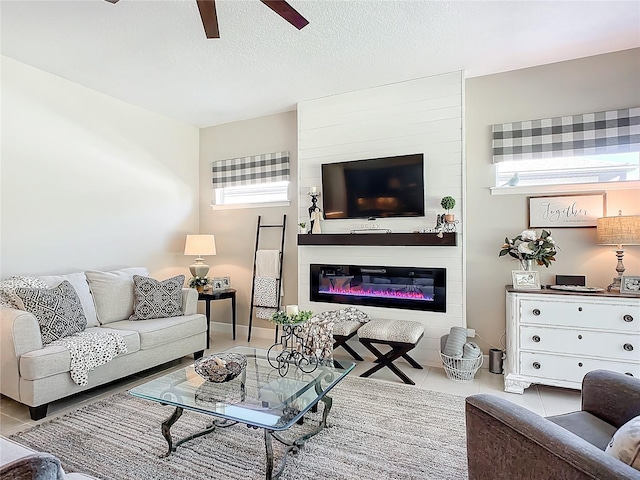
{"x":268,"y":167}
{"x":613,"y":131}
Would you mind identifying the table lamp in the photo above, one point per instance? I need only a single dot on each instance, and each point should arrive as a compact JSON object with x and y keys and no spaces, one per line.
{"x":200,"y":245}
{"x":619,"y":230}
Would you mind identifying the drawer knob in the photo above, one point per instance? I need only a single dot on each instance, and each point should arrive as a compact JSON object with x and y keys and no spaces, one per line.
{"x":579,"y":364}
{"x":536,"y":338}
{"x":536,"y":312}
{"x":579,"y":309}
{"x":579,"y":337}
{"x":536,"y":365}
{"x":629,"y":373}
{"x":628,"y":347}
{"x":628,"y":318}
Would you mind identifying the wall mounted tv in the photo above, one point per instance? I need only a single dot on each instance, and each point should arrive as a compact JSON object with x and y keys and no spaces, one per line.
{"x":374,"y":188}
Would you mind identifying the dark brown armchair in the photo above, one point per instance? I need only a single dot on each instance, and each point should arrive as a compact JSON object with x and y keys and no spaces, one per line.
{"x":507,"y":441}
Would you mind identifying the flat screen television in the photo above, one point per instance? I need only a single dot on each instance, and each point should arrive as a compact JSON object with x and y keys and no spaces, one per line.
{"x":374,"y":188}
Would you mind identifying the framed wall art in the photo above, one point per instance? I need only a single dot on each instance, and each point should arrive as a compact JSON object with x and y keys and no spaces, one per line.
{"x":566,"y":211}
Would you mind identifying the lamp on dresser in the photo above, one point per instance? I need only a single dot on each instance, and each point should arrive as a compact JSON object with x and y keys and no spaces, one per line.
{"x":619,"y":230}
{"x":199,"y":245}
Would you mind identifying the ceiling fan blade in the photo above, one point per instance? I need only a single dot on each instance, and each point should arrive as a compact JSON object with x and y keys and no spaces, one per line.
{"x":209,"y":18}
{"x":287,"y":12}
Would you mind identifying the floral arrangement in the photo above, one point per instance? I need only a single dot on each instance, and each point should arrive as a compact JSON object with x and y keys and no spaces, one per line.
{"x":529,"y":246}
{"x":195,"y":282}
{"x":282,"y":318}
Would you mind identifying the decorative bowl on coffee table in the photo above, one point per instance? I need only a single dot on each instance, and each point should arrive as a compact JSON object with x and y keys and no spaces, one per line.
{"x":220,"y":367}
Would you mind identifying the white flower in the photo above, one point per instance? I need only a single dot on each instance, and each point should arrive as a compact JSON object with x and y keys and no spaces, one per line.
{"x":550,"y":240}
{"x":524,"y":248}
{"x":529,"y":235}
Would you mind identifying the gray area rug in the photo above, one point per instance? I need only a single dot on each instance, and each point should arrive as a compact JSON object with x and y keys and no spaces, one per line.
{"x":376,"y":431}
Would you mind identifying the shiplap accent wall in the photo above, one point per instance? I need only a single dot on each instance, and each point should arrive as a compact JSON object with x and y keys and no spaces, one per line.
{"x":418,"y":116}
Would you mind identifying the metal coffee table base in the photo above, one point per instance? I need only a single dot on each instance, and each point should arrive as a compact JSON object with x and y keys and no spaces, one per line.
{"x":292,"y":446}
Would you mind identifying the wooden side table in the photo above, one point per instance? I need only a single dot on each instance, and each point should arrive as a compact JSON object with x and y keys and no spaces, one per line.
{"x":219,"y":295}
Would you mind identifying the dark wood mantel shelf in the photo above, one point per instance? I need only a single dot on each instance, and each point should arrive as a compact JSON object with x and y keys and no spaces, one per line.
{"x":380,"y":239}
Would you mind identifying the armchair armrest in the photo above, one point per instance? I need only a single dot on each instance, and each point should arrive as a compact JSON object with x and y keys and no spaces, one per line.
{"x":189,"y":301}
{"x":611,"y":396}
{"x":507,"y":441}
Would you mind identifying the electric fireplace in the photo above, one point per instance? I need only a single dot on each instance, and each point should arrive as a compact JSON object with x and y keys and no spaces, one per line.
{"x":410,"y":288}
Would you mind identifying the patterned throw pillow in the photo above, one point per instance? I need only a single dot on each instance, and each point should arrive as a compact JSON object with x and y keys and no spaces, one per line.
{"x":58,"y":310}
{"x":8,"y":287}
{"x":156,"y":299}
{"x":625,"y":444}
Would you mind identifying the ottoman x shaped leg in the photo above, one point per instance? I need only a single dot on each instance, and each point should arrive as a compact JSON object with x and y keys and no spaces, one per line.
{"x":341,"y":341}
{"x":398,"y":350}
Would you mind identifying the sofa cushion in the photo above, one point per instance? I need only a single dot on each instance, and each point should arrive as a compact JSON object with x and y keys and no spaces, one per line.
{"x":588,"y":427}
{"x":58,"y":310}
{"x":8,"y":289}
{"x":54,"y":359}
{"x":113,"y":293}
{"x":79,"y":282}
{"x":156,"y":299}
{"x":161,"y":331}
{"x":625,"y":444}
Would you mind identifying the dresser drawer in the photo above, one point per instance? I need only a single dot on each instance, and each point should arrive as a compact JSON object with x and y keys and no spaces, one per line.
{"x":582,"y":312}
{"x":588,"y":343}
{"x":572,"y":369}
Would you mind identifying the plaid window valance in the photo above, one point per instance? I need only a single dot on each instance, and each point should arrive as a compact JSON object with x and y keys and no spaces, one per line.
{"x":615,"y":131}
{"x":268,"y":167}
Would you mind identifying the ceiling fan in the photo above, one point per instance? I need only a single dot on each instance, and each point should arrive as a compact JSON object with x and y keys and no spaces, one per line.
{"x":210,"y":18}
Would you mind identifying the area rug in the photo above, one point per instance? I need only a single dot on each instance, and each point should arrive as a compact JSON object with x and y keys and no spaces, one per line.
{"x":376,"y":430}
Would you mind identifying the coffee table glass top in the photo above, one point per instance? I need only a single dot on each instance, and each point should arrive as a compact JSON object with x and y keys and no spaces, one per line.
{"x":258,"y":397}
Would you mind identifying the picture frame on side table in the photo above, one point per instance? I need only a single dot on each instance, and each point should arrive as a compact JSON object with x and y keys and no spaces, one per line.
{"x":566,"y":211}
{"x":226,"y":282}
{"x":630,"y":284}
{"x":217,"y":284}
{"x":525,"y":280}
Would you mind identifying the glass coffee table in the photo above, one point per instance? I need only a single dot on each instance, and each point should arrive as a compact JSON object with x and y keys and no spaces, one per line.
{"x":259,"y":397}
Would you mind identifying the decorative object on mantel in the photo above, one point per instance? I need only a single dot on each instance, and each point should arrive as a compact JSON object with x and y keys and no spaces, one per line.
{"x":448,"y":203}
{"x":619,"y":230}
{"x":200,"y":245}
{"x":315,"y":213}
{"x":286,"y":352}
{"x":199,"y":283}
{"x":303,"y":227}
{"x":528,"y":247}
{"x":220,"y":367}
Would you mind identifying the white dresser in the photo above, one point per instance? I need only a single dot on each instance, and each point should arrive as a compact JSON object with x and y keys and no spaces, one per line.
{"x":555,"y":338}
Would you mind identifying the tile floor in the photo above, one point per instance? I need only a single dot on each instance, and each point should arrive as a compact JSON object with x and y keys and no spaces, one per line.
{"x":542,"y":400}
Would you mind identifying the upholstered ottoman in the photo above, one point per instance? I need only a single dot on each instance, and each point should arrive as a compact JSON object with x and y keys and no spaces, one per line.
{"x":401,"y":335}
{"x":343,"y":331}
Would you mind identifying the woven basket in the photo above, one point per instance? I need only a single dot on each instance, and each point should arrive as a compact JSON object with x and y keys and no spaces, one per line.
{"x":461,"y":369}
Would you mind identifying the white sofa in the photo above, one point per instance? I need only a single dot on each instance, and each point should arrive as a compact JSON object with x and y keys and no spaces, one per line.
{"x":35,"y":375}
{"x":17,"y":461}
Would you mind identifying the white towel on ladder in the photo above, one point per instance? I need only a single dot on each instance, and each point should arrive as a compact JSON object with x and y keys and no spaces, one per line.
{"x":268,"y":265}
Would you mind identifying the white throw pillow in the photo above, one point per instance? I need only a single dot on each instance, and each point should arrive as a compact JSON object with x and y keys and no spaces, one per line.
{"x":113,"y":293}
{"x":79,"y":282}
{"x":625,"y":444}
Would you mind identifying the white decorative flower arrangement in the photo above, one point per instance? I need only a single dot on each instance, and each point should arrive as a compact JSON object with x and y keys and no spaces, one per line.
{"x":529,"y":246}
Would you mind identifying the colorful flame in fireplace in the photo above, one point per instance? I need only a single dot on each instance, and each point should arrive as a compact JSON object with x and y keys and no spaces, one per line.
{"x":379,"y":293}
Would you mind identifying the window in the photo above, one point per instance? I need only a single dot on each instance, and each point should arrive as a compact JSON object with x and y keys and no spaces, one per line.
{"x":258,"y":180}
{"x":261,"y":193}
{"x":586,"y":151}
{"x":619,"y":167}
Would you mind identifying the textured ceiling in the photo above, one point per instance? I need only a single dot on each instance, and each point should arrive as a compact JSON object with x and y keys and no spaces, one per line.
{"x":154,"y":53}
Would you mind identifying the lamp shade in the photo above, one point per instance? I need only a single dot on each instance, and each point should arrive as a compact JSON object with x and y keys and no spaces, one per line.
{"x":619,"y":230}
{"x":200,"y":245}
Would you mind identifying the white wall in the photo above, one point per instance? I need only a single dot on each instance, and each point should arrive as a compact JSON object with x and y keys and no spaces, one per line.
{"x":89,"y":181}
{"x":417,"y":116}
{"x":235,"y":230}
{"x":592,"y":84}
